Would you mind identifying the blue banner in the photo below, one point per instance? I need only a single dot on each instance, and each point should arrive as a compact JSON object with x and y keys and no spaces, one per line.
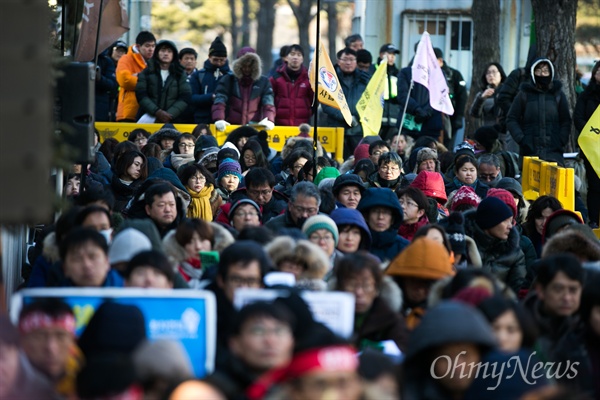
{"x":186,"y":316}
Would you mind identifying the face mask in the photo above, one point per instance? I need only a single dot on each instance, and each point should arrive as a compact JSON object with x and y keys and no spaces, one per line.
{"x":543,"y":81}
{"x":107,"y":233}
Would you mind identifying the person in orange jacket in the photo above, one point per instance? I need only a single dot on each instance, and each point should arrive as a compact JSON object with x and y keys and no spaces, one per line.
{"x":128,"y":68}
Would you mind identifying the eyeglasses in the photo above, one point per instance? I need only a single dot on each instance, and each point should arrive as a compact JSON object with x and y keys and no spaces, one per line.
{"x":542,"y":71}
{"x":261,"y":331}
{"x":256,"y":192}
{"x":366,"y":287}
{"x":186,"y":145}
{"x":387,"y":168}
{"x":347,"y":60}
{"x":487,"y":177}
{"x":140,"y":140}
{"x":246,"y":214}
{"x":303,"y":210}
{"x":241,"y":281}
{"x":298,"y":167}
{"x":408,"y":203}
{"x":377,"y":153}
{"x":318,"y":239}
{"x":199,"y":178}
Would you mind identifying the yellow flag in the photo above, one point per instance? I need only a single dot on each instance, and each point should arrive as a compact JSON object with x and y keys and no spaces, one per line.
{"x":330,"y":91}
{"x":370,"y":105}
{"x":589,"y":140}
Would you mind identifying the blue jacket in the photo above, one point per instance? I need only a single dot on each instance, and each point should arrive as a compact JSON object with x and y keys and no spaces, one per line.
{"x":387,"y":244}
{"x":203,"y":83}
{"x":113,"y":279}
{"x":107,"y":87}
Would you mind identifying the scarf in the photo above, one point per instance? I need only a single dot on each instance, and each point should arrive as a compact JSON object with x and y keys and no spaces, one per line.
{"x":177,"y":160}
{"x":200,"y":205}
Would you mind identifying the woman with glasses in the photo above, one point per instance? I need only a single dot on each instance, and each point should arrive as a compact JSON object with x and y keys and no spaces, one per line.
{"x":539,"y":119}
{"x":252,"y":156}
{"x":374,"y":320}
{"x":182,"y":153}
{"x":130,"y":172}
{"x":484,"y":107}
{"x":139,"y":137}
{"x":389,"y":171}
{"x":200,"y":184}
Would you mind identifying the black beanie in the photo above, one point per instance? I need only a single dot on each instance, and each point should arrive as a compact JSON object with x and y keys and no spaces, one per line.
{"x":486,"y":136}
{"x":492,"y":211}
{"x":217,"y":48}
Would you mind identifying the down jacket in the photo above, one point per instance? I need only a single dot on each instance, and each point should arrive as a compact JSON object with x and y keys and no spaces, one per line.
{"x":203,"y":84}
{"x":173,"y":96}
{"x":503,"y":258}
{"x":293,"y":99}
{"x":128,"y":68}
{"x":239,"y":99}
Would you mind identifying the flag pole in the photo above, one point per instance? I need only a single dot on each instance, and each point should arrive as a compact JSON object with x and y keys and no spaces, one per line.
{"x":98,"y":33}
{"x":404,"y":114}
{"x":316,"y":94}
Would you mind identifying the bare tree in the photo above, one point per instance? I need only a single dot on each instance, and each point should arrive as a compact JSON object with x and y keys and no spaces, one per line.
{"x":332,"y":26}
{"x":245,"y":22}
{"x":234,"y":27}
{"x":555,"y":35}
{"x":486,"y":46}
{"x":266,"y":25}
{"x":302,"y":12}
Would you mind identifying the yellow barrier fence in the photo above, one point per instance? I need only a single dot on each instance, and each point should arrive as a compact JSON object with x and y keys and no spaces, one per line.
{"x":332,"y":139}
{"x":547,"y":178}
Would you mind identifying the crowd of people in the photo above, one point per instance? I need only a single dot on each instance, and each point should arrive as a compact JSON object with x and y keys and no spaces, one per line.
{"x":452,"y":270}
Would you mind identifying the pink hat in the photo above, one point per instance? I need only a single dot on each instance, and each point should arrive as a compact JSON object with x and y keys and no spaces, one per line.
{"x":245,"y":50}
{"x":465,"y":195}
{"x":361,"y":152}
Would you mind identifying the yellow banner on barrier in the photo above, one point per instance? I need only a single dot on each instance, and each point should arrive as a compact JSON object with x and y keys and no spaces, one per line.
{"x":547,"y":178}
{"x":332,"y":139}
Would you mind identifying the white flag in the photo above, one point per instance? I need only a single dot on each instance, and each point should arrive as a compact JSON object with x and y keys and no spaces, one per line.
{"x":427,"y":71}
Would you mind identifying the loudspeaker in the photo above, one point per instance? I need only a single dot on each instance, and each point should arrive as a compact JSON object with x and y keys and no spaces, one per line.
{"x":74,"y":109}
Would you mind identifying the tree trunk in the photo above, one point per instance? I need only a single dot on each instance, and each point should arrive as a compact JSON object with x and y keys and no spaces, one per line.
{"x":245,"y":23}
{"x":264,"y":37}
{"x":555,"y":33}
{"x":302,"y":12}
{"x":486,"y":48}
{"x":332,"y":28}
{"x":234,"y":29}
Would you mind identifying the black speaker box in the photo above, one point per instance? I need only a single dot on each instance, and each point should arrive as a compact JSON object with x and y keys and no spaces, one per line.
{"x":75,"y":109}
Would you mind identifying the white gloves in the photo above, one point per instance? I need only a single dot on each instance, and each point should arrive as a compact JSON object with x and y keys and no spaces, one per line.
{"x":267,"y":124}
{"x":221,"y":125}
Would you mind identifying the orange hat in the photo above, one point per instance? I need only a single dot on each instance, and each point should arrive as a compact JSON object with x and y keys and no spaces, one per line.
{"x":424,"y":258}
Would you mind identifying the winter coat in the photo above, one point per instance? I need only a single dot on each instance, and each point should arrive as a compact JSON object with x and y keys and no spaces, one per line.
{"x":418,"y":105}
{"x":173,"y":96}
{"x":485,"y":110}
{"x":391,"y":107}
{"x":353,"y":87}
{"x":106,"y":88}
{"x":128,"y":68}
{"x":113,"y":279}
{"x":387,"y":244}
{"x":293,"y":99}
{"x":380,"y":323}
{"x":503,"y":258}
{"x":190,"y":270}
{"x":457,"y":88}
{"x":480,"y":188}
{"x":276,"y":206}
{"x":587,"y":103}
{"x":539,"y":123}
{"x":239,"y":99}
{"x":407,"y":231}
{"x":375,"y":181}
{"x":203,"y":84}
{"x":123,"y":193}
{"x":282,"y":221}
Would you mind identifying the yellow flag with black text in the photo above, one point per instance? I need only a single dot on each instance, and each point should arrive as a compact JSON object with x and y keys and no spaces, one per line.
{"x":330,"y":91}
{"x":589,"y":140}
{"x":370,"y":104}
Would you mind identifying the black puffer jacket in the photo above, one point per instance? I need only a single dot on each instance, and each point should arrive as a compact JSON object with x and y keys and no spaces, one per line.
{"x":503,"y":258}
{"x":172,"y":96}
{"x":539,"y":120}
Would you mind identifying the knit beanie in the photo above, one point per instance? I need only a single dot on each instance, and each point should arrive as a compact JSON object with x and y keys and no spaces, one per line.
{"x":463,"y":149}
{"x":241,"y":202}
{"x":486,"y":136}
{"x":229,"y":150}
{"x":557,"y":220}
{"x":326,"y":172}
{"x":510,"y":184}
{"x":229,"y":167}
{"x":424,"y":258}
{"x":320,"y":221}
{"x":361,"y":152}
{"x":126,"y":244}
{"x":217,"y":48}
{"x":506,"y":197}
{"x":491,"y":212}
{"x":472,"y":296}
{"x":455,"y":228}
{"x":244,"y":50}
{"x":204,"y":142}
{"x":465,"y":195}
{"x":347,"y":180}
{"x":162,"y":358}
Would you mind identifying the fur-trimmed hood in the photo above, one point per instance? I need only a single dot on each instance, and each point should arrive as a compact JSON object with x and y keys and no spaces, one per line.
{"x":303,"y":252}
{"x":249,"y":59}
{"x":574,"y":242}
{"x":50,"y":249}
{"x":290,"y":146}
{"x":389,"y":292}
{"x":222,"y":238}
{"x":174,"y":251}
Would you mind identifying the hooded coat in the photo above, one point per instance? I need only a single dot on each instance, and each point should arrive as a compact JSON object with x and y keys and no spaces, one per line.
{"x":128,"y":68}
{"x":293,"y":98}
{"x":204,"y":83}
{"x":387,"y":244}
{"x":241,"y":99}
{"x":172,"y":96}
{"x":503,"y":258}
{"x":539,"y":119}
